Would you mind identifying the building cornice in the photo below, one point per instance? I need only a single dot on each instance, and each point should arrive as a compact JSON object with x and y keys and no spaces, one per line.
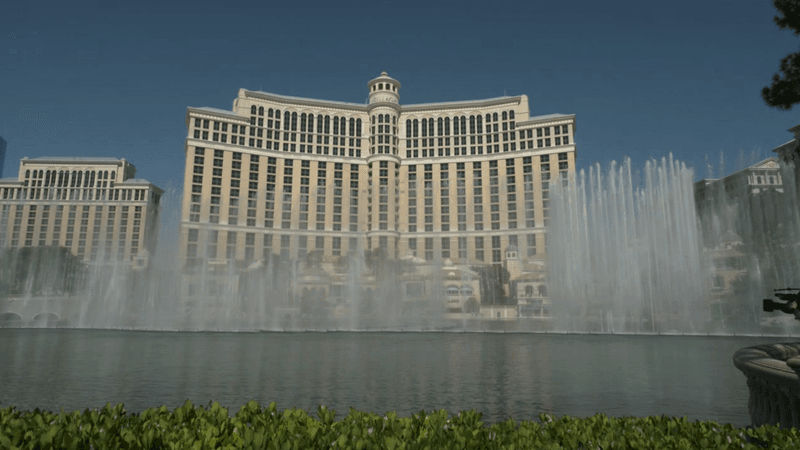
{"x":301,"y":101}
{"x":209,"y":113}
{"x":462,"y":105}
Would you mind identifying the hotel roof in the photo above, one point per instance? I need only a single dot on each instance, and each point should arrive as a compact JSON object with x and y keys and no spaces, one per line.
{"x":86,"y":159}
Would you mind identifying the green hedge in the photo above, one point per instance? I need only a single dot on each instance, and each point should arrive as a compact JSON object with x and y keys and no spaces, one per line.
{"x":191,"y":427}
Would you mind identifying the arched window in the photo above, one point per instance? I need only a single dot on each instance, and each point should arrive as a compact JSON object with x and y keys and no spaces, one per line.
{"x":505,"y":115}
{"x":78,"y":180}
{"x":479,"y":119}
{"x":327,"y":124}
{"x":394,"y":88}
{"x":455,"y":126}
{"x":91,"y":180}
{"x":447,"y":126}
{"x":542,"y":290}
{"x":386,"y":118}
{"x":310,"y":123}
{"x":494,"y":117}
{"x":286,"y":117}
{"x":303,"y":122}
{"x":73,"y":179}
{"x":294,"y":121}
{"x":86,"y":179}
{"x":440,"y":126}
{"x":380,"y":86}
{"x":260,"y":110}
{"x":352,"y":127}
{"x":373,"y":119}
{"x":253,"y":109}
{"x":416,"y":127}
{"x":269,"y":113}
{"x":335,"y":125}
{"x":430,"y":127}
{"x":358,"y":127}
{"x":452,"y":290}
{"x":472,"y":124}
{"x":529,"y":291}
{"x":463,"y":124}
{"x":511,"y":114}
{"x":27,"y":174}
{"x":113,"y":175}
{"x":424,"y":127}
{"x":488,"y":118}
{"x":408,"y":128}
{"x":60,"y":178}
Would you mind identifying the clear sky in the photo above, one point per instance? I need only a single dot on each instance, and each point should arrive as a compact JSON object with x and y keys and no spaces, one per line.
{"x":643,"y":78}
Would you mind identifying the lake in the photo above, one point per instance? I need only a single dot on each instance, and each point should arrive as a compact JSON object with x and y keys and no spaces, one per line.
{"x":518,"y":375}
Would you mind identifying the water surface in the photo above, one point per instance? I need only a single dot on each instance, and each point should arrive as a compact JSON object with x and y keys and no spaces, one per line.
{"x":500,"y":375}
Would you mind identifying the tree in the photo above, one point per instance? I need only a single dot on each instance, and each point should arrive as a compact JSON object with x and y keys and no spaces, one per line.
{"x":38,"y":270}
{"x":785,"y":91}
{"x":494,"y":278}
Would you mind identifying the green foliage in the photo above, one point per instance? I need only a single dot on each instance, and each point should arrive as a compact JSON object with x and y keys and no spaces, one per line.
{"x":256,"y":427}
{"x":785,"y":91}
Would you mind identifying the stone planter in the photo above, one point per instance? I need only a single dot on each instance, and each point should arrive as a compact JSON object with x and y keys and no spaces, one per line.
{"x":773,"y":377}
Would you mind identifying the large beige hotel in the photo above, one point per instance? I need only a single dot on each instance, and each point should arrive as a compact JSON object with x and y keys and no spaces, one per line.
{"x":284,"y":175}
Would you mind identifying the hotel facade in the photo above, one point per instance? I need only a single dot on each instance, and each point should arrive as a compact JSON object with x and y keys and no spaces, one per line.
{"x":95,"y":207}
{"x":284,"y":175}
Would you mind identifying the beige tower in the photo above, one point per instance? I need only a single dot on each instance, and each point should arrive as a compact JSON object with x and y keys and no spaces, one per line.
{"x":384,"y":165}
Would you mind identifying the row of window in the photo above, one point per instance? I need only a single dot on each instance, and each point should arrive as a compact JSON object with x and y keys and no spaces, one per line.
{"x":65,"y":178}
{"x":352,"y":127}
{"x":286,"y":243}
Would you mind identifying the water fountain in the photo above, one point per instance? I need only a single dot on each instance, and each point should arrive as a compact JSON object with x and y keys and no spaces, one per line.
{"x":627,"y":253}
{"x":632,"y":256}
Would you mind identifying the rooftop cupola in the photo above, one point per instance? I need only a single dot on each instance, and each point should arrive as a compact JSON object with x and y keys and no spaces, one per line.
{"x":384,"y":89}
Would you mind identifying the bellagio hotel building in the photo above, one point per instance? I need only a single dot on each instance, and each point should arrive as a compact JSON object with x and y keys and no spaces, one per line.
{"x":455,"y":180}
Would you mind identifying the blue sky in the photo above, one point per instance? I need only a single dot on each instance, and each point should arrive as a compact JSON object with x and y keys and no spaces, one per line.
{"x":643,"y":78}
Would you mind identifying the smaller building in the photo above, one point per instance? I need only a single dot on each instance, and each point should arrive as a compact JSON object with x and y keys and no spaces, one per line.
{"x":727,"y":265}
{"x":789,"y":153}
{"x":95,"y":207}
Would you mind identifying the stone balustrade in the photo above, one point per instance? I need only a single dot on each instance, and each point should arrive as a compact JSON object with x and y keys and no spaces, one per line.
{"x":773,"y":377}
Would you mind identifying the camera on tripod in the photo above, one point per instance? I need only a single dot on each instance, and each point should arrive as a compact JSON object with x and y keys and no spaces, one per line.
{"x":792,"y":298}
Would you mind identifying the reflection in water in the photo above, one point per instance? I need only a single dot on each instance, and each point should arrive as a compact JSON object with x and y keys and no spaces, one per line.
{"x":500,"y":375}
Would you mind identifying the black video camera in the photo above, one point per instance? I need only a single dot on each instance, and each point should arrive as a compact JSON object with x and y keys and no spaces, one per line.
{"x":792,"y":298}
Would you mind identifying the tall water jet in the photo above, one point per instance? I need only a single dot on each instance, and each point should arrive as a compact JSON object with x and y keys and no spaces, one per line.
{"x":626,"y":258}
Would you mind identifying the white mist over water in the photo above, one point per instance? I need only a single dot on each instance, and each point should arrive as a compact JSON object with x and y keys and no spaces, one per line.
{"x":626,"y":258}
{"x":627,"y":253}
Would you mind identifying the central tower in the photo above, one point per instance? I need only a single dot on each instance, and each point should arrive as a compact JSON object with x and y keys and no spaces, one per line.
{"x":384,"y":165}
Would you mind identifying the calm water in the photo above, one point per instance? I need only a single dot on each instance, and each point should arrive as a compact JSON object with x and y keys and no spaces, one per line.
{"x":500,"y":375}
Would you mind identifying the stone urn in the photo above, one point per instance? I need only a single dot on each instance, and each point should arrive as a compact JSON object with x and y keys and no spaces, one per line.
{"x":773,"y":377}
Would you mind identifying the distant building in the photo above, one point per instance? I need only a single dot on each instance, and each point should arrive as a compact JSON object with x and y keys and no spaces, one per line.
{"x":92,"y":206}
{"x":454,"y":180}
{"x":790,"y":153}
{"x":728,"y":265}
{"x":3,"y":147}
